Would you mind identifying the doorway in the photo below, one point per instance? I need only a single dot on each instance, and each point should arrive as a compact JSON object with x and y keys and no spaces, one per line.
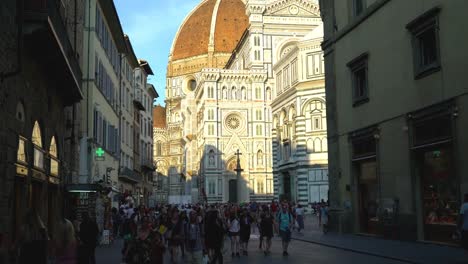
{"x":368,"y":196}
{"x":233,"y":191}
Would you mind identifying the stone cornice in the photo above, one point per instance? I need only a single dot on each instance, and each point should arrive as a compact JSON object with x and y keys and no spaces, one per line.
{"x":255,"y":9}
{"x":213,"y":74}
{"x":307,"y":5}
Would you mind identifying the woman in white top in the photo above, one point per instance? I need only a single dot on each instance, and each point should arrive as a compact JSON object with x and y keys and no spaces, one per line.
{"x":234,"y":229}
{"x":300,"y":217}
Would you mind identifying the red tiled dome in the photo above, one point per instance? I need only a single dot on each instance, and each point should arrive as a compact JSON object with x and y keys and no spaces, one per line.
{"x":193,"y":38}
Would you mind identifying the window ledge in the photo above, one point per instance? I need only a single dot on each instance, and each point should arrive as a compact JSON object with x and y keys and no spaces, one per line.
{"x":428,"y":70}
{"x":360,"y":101}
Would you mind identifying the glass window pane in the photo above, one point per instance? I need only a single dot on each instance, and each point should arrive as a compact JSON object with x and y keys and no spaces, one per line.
{"x":38,"y":158}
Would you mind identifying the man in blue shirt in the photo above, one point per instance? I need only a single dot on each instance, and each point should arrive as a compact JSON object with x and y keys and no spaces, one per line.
{"x":285,"y":221}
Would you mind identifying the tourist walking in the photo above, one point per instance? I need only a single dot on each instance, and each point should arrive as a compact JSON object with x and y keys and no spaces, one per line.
{"x":266,"y":230}
{"x":214,"y":237}
{"x":285,"y":221}
{"x":116,"y":222}
{"x":234,"y":230}
{"x":324,"y":217}
{"x":463,"y":222}
{"x":88,"y":236}
{"x":193,"y":239}
{"x":145,"y":247}
{"x":65,"y":244}
{"x":175,"y":234}
{"x":299,"y":217}
{"x":245,"y":227}
{"x":32,"y":241}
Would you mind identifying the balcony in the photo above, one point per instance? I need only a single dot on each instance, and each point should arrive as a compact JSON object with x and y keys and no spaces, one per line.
{"x":129,"y":175}
{"x":46,"y":41}
{"x":138,"y":100}
{"x":148,"y":165}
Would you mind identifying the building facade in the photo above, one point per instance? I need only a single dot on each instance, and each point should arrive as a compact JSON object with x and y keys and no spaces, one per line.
{"x":219,"y":94}
{"x":128,"y":179}
{"x":300,"y":146}
{"x":396,"y":108}
{"x":142,"y":104}
{"x":104,"y":43}
{"x":40,"y":87}
{"x":147,"y":160}
{"x":161,"y":160}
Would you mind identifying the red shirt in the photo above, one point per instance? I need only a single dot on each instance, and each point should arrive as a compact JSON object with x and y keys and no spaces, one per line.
{"x":274,"y":207}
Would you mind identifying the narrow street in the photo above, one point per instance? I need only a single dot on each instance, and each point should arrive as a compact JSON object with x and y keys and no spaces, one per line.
{"x":313,"y":247}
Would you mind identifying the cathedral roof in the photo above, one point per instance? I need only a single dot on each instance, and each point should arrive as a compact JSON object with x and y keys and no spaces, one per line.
{"x":159,"y":117}
{"x":214,"y":25}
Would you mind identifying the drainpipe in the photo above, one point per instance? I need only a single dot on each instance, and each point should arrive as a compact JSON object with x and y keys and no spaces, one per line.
{"x":19,"y":44}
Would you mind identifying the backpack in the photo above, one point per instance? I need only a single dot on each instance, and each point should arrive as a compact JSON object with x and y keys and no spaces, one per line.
{"x":279,"y":217}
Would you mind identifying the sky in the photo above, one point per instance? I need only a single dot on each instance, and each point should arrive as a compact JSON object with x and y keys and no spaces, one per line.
{"x":151,"y":26}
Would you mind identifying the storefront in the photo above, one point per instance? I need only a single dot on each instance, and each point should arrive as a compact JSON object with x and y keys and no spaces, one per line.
{"x":364,"y":162}
{"x":439,"y":188}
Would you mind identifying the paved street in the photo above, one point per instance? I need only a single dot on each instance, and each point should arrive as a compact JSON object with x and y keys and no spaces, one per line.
{"x":300,"y":252}
{"x":312,"y":246}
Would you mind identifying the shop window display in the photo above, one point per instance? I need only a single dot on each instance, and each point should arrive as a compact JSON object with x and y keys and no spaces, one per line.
{"x":440,"y":192}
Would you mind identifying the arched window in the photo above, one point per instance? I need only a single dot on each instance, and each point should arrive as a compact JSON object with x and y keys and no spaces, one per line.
{"x":310,"y":146}
{"x":243,"y":94}
{"x":21,"y":154}
{"x":233,"y":93}
{"x":211,"y":158}
{"x":54,"y":164}
{"x":258,"y":93}
{"x":159,"y":148}
{"x":324,"y":145}
{"x":210,"y":114}
{"x":268,"y":93}
{"x":225,"y":96}
{"x":37,"y":142}
{"x":37,"y":135}
{"x":210,"y":92}
{"x":315,"y":115}
{"x":260,"y":157}
{"x":317,"y":145}
{"x":20,"y":112}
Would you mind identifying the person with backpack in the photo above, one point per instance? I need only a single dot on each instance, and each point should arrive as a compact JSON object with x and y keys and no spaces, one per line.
{"x":285,"y":221}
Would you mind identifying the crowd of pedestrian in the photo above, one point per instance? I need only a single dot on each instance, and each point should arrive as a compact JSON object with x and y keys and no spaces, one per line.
{"x":196,"y":233}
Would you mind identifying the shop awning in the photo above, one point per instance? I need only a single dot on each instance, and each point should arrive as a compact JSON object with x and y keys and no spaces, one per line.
{"x":83,"y":188}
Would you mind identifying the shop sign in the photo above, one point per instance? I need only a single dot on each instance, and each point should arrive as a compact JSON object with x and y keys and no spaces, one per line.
{"x":99,"y":154}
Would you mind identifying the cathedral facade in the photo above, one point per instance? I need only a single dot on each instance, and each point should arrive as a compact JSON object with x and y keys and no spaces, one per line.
{"x":221,"y":86}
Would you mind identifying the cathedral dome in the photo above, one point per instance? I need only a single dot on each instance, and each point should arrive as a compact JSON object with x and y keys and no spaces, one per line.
{"x":211,"y":31}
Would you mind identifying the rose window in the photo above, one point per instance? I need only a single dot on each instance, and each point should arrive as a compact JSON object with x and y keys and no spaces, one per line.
{"x":233,"y":122}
